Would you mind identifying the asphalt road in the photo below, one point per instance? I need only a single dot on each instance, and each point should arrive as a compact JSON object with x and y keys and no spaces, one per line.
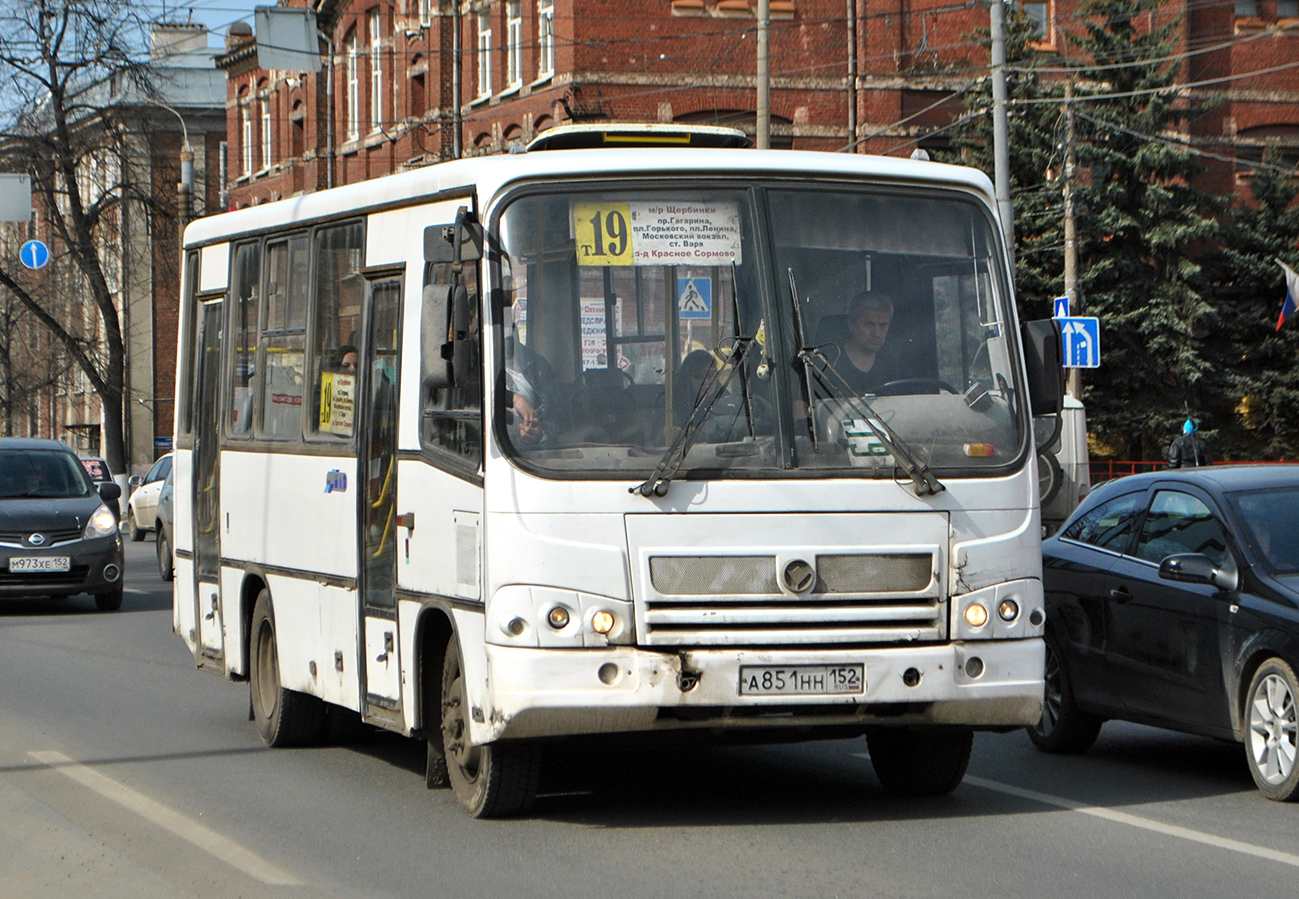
{"x":124,"y":772}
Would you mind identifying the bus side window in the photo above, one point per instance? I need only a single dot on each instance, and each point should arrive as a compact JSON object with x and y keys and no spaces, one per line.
{"x":244,"y":333}
{"x":283,"y":339}
{"x":451,"y":418}
{"x":340,"y":289}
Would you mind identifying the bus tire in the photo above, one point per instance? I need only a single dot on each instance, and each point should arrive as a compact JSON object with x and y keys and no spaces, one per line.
{"x":283,"y":717}
{"x":435,"y":754}
{"x":923,"y":762}
{"x":490,"y":781}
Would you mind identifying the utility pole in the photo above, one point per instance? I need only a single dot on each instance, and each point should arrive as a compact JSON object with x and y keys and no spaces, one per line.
{"x":1000,"y":129}
{"x":764,"y":76}
{"x":852,"y":75}
{"x":1074,"y":382}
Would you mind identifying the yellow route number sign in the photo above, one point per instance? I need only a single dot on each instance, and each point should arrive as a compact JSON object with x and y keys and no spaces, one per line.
{"x":603,"y":232}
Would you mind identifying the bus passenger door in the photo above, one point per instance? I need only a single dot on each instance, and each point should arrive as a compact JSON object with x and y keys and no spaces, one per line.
{"x":206,"y":477}
{"x":381,"y":698}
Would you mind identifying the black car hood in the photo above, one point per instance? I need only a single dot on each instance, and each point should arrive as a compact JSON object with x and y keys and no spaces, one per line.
{"x":27,"y":516}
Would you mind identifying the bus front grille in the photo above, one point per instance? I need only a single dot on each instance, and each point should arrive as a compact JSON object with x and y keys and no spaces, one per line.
{"x":737,"y":600}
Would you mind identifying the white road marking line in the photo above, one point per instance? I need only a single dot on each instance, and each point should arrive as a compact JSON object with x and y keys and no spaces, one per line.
{"x":204,"y":838}
{"x":1172,"y":830}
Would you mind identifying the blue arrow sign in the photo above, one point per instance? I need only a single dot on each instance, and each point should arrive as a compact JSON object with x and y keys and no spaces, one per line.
{"x":1081,"y":342}
{"x":34,"y":254}
{"x":1061,"y":307}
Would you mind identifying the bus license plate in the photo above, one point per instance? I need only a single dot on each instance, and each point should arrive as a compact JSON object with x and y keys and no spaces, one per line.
{"x":40,"y":563}
{"x":801,"y":680}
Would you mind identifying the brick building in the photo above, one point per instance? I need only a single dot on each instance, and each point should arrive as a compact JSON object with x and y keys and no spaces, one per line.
{"x":391,"y":95}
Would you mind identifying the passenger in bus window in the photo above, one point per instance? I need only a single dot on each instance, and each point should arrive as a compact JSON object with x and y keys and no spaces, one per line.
{"x":695,"y":381}
{"x":347,"y":357}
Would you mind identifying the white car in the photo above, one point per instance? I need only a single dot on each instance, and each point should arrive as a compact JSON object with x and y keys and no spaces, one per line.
{"x":142,"y":507}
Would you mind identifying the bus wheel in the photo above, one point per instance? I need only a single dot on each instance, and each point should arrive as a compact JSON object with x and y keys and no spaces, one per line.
{"x":920,"y":762}
{"x":490,"y":781}
{"x":283,"y":717}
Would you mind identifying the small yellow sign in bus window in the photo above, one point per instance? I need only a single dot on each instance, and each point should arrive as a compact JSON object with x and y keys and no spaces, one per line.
{"x":603,"y":232}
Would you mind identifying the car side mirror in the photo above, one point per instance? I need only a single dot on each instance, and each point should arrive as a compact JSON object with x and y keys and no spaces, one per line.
{"x":1195,"y":568}
{"x":109,"y":492}
{"x":136,"y":480}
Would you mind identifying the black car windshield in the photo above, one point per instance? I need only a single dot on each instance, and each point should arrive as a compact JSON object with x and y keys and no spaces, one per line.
{"x":32,"y":474}
{"x":635,"y":312}
{"x":1269,"y":522}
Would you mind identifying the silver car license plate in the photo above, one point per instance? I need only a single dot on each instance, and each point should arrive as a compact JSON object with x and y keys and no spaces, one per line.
{"x":40,"y":563}
{"x":802,"y":680}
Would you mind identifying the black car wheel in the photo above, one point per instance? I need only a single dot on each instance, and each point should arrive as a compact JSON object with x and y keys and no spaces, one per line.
{"x":1272,"y":731}
{"x":1063,"y":727}
{"x":109,"y":602}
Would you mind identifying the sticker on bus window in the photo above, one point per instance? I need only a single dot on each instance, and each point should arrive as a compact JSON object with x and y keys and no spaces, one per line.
{"x":657,"y":233}
{"x":864,"y":447}
{"x":337,"y":403}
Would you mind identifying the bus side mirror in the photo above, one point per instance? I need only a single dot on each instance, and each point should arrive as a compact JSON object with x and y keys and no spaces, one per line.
{"x":435,"y":348}
{"x":460,"y":335}
{"x":1044,"y":366}
{"x":461,"y":242}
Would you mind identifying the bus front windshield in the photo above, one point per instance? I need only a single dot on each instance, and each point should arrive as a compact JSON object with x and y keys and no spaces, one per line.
{"x":787,"y":330}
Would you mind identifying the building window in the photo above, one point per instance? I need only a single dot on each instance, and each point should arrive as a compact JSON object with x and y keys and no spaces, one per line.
{"x":245,"y":138}
{"x":485,"y":53}
{"x":376,"y":73}
{"x":425,"y":13}
{"x":1246,"y":8}
{"x":1039,"y":19}
{"x":545,"y":38}
{"x":266,"y":130}
{"x":514,"y":42}
{"x":353,"y":88}
{"x":1287,"y":9}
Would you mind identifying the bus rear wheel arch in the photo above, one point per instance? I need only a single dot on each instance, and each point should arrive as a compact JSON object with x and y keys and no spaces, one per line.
{"x":283,"y":717}
{"x":493,"y":780}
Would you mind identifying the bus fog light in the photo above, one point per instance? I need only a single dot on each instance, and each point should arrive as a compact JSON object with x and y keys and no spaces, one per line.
{"x":558,"y":617}
{"x":911,"y":677}
{"x":1008,"y":609}
{"x":973,"y":667}
{"x":976,"y":615}
{"x":602,"y":622}
{"x":608,"y":674}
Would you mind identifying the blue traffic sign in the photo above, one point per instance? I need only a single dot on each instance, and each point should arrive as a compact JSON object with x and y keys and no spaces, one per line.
{"x":1081,"y":342}
{"x":1061,"y":307}
{"x":696,"y":299}
{"x":34,"y":254}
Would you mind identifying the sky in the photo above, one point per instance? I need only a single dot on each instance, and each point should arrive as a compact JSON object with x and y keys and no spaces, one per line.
{"x":217,"y":15}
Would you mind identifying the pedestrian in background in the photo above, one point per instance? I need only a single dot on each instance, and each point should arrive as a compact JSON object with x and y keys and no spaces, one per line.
{"x":1189,"y":450}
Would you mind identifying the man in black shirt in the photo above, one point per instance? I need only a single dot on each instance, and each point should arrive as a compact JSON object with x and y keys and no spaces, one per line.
{"x":858,"y":358}
{"x":1189,"y":450}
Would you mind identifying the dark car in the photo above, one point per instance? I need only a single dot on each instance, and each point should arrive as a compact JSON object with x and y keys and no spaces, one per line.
{"x":163,"y":523}
{"x":1173,"y":600}
{"x":58,"y":534}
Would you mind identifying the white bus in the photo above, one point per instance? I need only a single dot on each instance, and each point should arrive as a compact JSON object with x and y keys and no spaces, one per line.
{"x":509,"y":451}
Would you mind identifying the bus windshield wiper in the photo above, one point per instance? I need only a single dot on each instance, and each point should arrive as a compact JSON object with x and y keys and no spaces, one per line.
{"x":816,"y":366}
{"x":661,"y":478}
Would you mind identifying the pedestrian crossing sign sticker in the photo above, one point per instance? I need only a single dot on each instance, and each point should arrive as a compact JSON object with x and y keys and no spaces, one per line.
{"x":695,"y":301}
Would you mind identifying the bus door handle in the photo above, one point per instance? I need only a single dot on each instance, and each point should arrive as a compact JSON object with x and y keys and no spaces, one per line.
{"x":211,"y":616}
{"x":387,"y":647}
{"x":406,"y":520}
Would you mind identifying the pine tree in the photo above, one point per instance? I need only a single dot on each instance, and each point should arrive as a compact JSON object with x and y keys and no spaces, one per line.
{"x":1262,"y":362}
{"x":1137,"y":267}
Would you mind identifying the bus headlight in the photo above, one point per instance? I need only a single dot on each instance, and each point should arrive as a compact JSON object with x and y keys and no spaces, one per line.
{"x":520,"y":615}
{"x":976,"y":615}
{"x":102,"y":523}
{"x":1011,"y":610}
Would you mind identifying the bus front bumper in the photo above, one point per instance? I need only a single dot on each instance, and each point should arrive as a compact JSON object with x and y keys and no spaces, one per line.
{"x":551,"y":692}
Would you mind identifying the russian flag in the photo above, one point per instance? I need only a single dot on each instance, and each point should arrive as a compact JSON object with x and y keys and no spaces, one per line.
{"x":1291,"y":294}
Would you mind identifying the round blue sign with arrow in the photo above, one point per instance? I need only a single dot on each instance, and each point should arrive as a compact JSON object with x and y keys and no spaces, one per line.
{"x":34,"y":254}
